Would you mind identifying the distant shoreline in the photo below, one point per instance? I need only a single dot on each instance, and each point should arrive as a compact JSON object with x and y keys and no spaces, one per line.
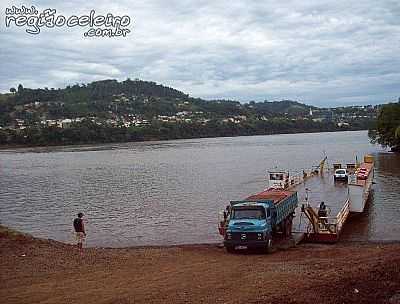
{"x":18,"y":147}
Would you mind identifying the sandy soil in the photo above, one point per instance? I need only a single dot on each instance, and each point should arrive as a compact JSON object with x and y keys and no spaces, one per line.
{"x":45,"y":271}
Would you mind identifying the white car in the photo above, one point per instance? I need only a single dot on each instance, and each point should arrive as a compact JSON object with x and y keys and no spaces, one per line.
{"x":341,"y":174}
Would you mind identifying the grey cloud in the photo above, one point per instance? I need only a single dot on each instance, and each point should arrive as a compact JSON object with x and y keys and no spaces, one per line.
{"x":319,"y":52}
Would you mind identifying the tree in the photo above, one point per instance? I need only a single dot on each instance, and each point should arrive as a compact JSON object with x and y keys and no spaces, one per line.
{"x":13,"y":90}
{"x":397,"y":133}
{"x":20,"y":88}
{"x":387,"y":128}
{"x":3,"y":137}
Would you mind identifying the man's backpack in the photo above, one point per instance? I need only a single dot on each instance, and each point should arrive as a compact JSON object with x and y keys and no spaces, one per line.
{"x":78,"y":225}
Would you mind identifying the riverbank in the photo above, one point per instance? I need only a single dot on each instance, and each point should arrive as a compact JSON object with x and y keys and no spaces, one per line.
{"x":38,"y":146}
{"x":35,"y":270}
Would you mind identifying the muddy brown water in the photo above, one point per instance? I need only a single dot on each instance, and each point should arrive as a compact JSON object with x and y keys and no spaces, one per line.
{"x":170,"y":192}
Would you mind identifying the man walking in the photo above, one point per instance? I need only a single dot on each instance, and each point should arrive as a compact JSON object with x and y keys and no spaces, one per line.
{"x":79,"y":232}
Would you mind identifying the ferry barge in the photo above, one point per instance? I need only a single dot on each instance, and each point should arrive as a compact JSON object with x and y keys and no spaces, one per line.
{"x":317,"y":188}
{"x":360,"y":183}
{"x":342,"y":198}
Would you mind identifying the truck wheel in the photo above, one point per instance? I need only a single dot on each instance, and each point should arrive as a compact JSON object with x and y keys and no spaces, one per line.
{"x":283,"y":227}
{"x":230,"y":249}
{"x":288,"y":228}
{"x":269,"y":246}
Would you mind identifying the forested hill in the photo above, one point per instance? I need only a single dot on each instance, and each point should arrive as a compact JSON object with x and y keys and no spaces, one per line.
{"x":109,"y":110}
{"x":136,"y":97}
{"x":97,"y":90}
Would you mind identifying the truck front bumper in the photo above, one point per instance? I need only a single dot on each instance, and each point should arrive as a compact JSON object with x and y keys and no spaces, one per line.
{"x":248,"y":244}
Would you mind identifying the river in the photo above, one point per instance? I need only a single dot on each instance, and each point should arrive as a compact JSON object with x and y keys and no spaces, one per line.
{"x":170,"y":192}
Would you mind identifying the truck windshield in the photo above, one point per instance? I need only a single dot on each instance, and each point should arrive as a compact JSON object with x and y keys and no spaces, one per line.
{"x":248,"y":213}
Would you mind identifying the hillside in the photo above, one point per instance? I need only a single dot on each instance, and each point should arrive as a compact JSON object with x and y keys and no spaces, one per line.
{"x":128,"y":97}
{"x":131,"y":110}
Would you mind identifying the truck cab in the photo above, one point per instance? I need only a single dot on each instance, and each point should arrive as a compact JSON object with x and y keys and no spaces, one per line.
{"x":249,"y":226}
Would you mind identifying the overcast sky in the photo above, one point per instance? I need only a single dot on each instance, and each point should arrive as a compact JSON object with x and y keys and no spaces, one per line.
{"x":321,"y":53}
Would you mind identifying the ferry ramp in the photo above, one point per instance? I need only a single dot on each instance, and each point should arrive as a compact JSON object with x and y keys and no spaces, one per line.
{"x":316,"y":189}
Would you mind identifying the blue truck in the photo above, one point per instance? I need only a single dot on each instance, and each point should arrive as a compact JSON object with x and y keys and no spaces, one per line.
{"x":256,"y":221}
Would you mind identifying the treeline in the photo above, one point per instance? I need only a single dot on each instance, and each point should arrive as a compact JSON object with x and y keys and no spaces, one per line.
{"x":89,"y":132}
{"x":97,"y":90}
{"x":386,"y":130}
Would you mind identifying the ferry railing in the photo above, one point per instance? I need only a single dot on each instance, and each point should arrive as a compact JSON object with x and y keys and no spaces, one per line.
{"x":334,"y":224}
{"x":296,"y":179}
{"x":299,"y":177}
